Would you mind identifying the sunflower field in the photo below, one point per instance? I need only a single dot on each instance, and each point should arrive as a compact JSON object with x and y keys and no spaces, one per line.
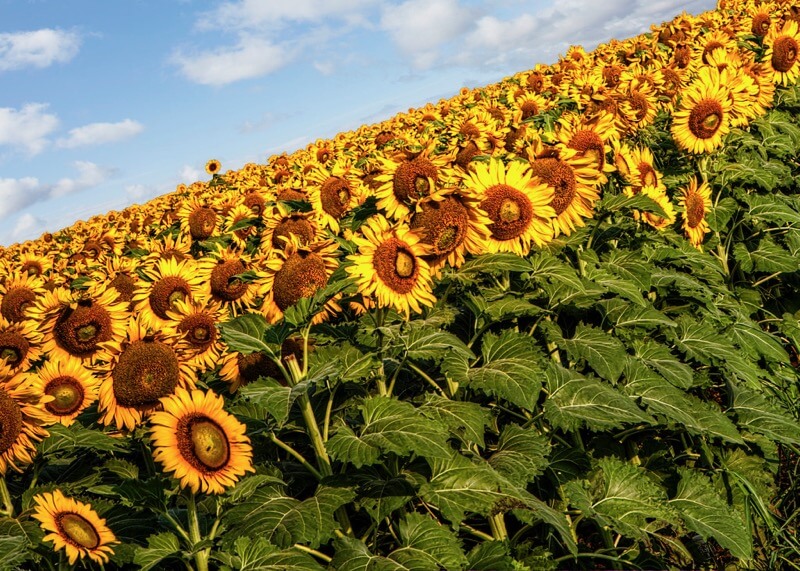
{"x":551,"y":323}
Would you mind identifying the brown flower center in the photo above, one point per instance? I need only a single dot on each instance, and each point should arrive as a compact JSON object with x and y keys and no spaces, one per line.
{"x":198,"y":329}
{"x":223,"y":284}
{"x":465,"y":155}
{"x":202,"y":222}
{"x":589,"y":144}
{"x":559,"y":175}
{"x":710,"y":47}
{"x":13,"y":348}
{"x":705,"y":118}
{"x":396,"y":265}
{"x":529,"y":109}
{"x":695,"y":209}
{"x":166,"y":292}
{"x":302,"y":274}
{"x":14,"y":303}
{"x":334,"y":194}
{"x":784,"y":53}
{"x":296,"y":225}
{"x":640,"y":105}
{"x":203,"y":443}
{"x":255,"y":202}
{"x":67,"y":393}
{"x":469,"y":130}
{"x":146,"y":371}
{"x":10,"y":421}
{"x":444,"y":224}
{"x":79,"y":331}
{"x":414,"y":180}
{"x":77,"y":530}
{"x":32,"y":268}
{"x":509,"y":210}
{"x":125,"y":285}
{"x":761,"y":24}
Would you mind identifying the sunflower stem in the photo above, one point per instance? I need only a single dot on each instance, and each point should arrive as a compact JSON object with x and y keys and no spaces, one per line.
{"x":8,"y":505}
{"x":178,"y":527}
{"x":498,"y":526}
{"x":299,"y":457}
{"x":201,"y":557}
{"x":425,"y":376}
{"x":314,"y":552}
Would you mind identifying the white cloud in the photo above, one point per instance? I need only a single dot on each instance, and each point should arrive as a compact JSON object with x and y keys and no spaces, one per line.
{"x":40,"y":48}
{"x":189,"y":174}
{"x":17,"y":193}
{"x":251,"y":57}
{"x":255,"y":14}
{"x":28,"y":127}
{"x":144,"y":192}
{"x":27,"y":225}
{"x":100,"y":133}
{"x":89,"y":175}
{"x":420,"y":27}
{"x":325,"y":67}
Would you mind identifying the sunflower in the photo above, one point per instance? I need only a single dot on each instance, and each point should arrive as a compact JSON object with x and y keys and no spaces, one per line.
{"x":242,"y":218}
{"x":638,"y":169}
{"x":21,"y":420}
{"x":194,"y":324}
{"x":696,"y":202}
{"x":34,"y":264}
{"x":213,"y":166}
{"x":282,"y":222}
{"x":589,"y":138}
{"x":18,"y":294}
{"x":659,"y":196}
{"x":20,"y":344}
{"x":230,"y":278}
{"x":452,"y":228}
{"x":239,"y":369}
{"x":574,"y":182}
{"x":197,"y":219}
{"x":759,"y":21}
{"x":334,"y":190}
{"x":75,"y":527}
{"x":119,"y":274}
{"x":75,"y":323}
{"x":782,"y":51}
{"x":202,"y":445}
{"x":141,"y":369}
{"x":406,"y":182}
{"x":71,"y":386}
{"x":390,"y":265}
{"x":704,"y":115}
{"x":296,"y":272}
{"x":516,"y":204}
{"x":167,"y":281}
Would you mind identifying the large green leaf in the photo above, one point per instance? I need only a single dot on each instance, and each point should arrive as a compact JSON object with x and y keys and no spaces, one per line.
{"x":258,"y":554}
{"x":756,"y":414}
{"x":427,"y":343}
{"x":246,"y":333}
{"x":660,"y":358}
{"x":492,"y":263}
{"x":521,"y":454}
{"x":604,"y":353}
{"x":276,"y":398}
{"x":465,"y":419}
{"x":708,"y":514}
{"x":345,"y":446}
{"x":74,"y":437}
{"x":352,"y":555}
{"x":159,"y":547}
{"x":427,"y":545}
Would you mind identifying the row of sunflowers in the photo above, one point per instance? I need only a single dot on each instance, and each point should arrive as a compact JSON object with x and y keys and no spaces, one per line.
{"x":122,"y":312}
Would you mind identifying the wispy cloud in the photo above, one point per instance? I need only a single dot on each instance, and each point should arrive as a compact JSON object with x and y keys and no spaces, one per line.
{"x":38,"y":48}
{"x":27,"y":225}
{"x":19,"y":193}
{"x":100,"y":133}
{"x":189,"y":174}
{"x":256,"y":14}
{"x":27,"y":128}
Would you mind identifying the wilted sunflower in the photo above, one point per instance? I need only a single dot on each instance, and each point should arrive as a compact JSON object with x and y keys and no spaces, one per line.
{"x":516,"y":204}
{"x":70,"y":386}
{"x":574,"y":182}
{"x":452,"y":228}
{"x":168,"y":281}
{"x":141,"y":369}
{"x":390,"y":265}
{"x":75,"y":527}
{"x":782,"y":50}
{"x":205,"y":448}
{"x":21,"y":420}
{"x":703,"y":117}
{"x":76,"y":324}
{"x":696,"y":202}
{"x":194,"y":324}
{"x":213,"y":166}
{"x":296,"y":272}
{"x":18,"y":294}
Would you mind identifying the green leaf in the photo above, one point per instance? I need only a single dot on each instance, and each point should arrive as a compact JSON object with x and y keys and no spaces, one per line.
{"x":467,"y":420}
{"x":623,"y":314}
{"x":756,"y":414}
{"x":679,"y":408}
{"x":660,"y":358}
{"x":13,"y":551}
{"x":429,"y":344}
{"x":284,"y":521}
{"x":771,"y":210}
{"x":63,"y":438}
{"x":246,"y":334}
{"x":719,"y":216}
{"x":427,"y":545}
{"x":379,"y":495}
{"x":490,"y":556}
{"x":274,"y":397}
{"x":122,"y":469}
{"x":492,"y":263}
{"x":150,"y":493}
{"x":346,"y":446}
{"x":510,"y":307}
{"x":352,"y":364}
{"x":353,"y":555}
{"x":604,"y":353}
{"x":547,"y":267}
{"x":624,"y":497}
{"x":243,"y":223}
{"x":698,"y":340}
{"x":509,"y":371}
{"x":577,"y":401}
{"x":521,"y":454}
{"x":708,"y":514}
{"x":767,"y":257}
{"x":159,"y":547}
{"x":258,"y":554}
{"x":754,"y":342}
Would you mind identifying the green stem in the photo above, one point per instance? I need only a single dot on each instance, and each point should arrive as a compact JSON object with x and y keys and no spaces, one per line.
{"x":430,"y":381}
{"x":314,"y":552}
{"x":299,"y":457}
{"x":178,"y":527}
{"x":200,"y":557}
{"x":6,"y":497}
{"x":609,"y":543}
{"x":498,"y":526}
{"x":326,"y":425}
{"x":394,"y":376}
{"x":477,"y":533}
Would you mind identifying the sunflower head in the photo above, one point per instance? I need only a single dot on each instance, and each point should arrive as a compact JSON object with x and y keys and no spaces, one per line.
{"x":213,"y":166}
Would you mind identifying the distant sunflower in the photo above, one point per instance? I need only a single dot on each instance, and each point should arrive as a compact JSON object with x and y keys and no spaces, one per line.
{"x":18,"y":294}
{"x":167,"y":281}
{"x":703,"y":116}
{"x":296,"y":272}
{"x":74,"y":527}
{"x":204,"y":447}
{"x":21,"y":420}
{"x":452,"y":228}
{"x":78,"y":323}
{"x":213,"y":166}
{"x":696,"y":203}
{"x":230,"y":278}
{"x":783,"y":47}
{"x":516,"y":204}
{"x":194,"y":324}
{"x":141,"y":369}
{"x":390,"y":266}
{"x":574,"y":182}
{"x":334,"y":189}
{"x":69,"y":384}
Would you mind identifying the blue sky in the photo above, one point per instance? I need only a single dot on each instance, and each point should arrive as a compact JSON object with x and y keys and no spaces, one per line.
{"x":110,"y":103}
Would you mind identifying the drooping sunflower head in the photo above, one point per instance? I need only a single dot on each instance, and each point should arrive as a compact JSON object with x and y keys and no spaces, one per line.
{"x":281,"y":223}
{"x":74,"y":527}
{"x":696,"y":203}
{"x":21,"y":421}
{"x":204,"y":447}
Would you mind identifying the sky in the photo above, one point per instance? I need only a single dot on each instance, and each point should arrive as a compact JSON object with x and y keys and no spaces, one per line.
{"x":104,"y":104}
